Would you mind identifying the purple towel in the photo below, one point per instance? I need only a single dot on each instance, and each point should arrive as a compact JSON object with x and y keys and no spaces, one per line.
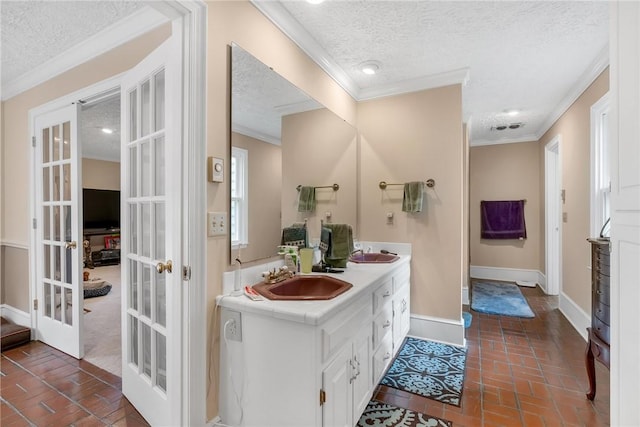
{"x":503,"y":219}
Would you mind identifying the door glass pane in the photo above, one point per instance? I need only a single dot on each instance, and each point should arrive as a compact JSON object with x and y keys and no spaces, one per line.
{"x":66,"y":188}
{"x":145,"y":168}
{"x":56,"y":142}
{"x":57,"y":250}
{"x":146,"y":290}
{"x":146,"y":229}
{"x":46,"y":258}
{"x":56,"y":223}
{"x":68,"y":304}
{"x":146,"y":349}
{"x":66,"y":140}
{"x":160,"y":228}
{"x":145,"y":104}
{"x":56,"y":183}
{"x":133,"y":168}
{"x":159,"y":100}
{"x":46,"y":181}
{"x":46,"y":146}
{"x":133,"y":340}
{"x":47,"y":299}
{"x":66,"y":223}
{"x":159,"y":170}
{"x":133,"y":284}
{"x":133,"y":228}
{"x":57,"y":298}
{"x":46,"y":222}
{"x":161,"y":364}
{"x":133,"y":118}
{"x":161,"y":299}
{"x":68,"y":273}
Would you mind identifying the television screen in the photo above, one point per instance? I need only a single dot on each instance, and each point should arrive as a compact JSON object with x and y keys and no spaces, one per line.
{"x":100,"y":208}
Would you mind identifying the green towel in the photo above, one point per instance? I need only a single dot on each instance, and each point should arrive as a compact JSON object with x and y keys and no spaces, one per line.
{"x":294,"y":236}
{"x":307,"y":199}
{"x":412,"y":200}
{"x":341,"y":244}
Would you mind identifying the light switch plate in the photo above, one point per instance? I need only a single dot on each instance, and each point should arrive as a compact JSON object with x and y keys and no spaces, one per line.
{"x":215,"y":169}
{"x":216,"y":224}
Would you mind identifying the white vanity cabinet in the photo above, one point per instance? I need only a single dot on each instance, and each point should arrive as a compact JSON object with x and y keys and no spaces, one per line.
{"x":313,"y":363}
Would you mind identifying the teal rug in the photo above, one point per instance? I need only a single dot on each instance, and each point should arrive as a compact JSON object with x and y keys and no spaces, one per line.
{"x":467,"y":317}
{"x":430,"y":369}
{"x":384,"y":415}
{"x":504,"y":299}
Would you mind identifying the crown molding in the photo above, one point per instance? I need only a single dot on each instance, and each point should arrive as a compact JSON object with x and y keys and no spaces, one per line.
{"x":447,"y":78}
{"x":525,"y":138}
{"x":282,"y":19}
{"x":120,"y":32}
{"x":251,"y":133}
{"x":102,"y":157}
{"x":593,"y":71}
{"x":298,"y":107}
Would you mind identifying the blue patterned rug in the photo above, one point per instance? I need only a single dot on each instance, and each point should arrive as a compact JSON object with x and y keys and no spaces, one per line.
{"x":430,"y":369}
{"x":499,"y":298}
{"x":384,"y":415}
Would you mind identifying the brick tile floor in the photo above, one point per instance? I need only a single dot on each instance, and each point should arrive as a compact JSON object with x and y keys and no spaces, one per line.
{"x":41,"y":386}
{"x":520,"y":372}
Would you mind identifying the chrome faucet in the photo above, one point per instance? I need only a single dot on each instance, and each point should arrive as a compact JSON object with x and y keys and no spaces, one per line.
{"x":275,"y":276}
{"x":356,"y":251}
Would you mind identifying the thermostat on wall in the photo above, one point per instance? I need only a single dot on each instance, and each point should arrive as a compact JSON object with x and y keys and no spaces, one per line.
{"x":215,"y":169}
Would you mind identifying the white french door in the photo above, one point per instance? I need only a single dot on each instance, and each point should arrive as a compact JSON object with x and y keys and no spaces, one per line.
{"x":58,"y":256}
{"x":151,"y":227}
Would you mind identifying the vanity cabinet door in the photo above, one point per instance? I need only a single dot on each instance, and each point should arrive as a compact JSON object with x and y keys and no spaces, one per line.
{"x":337,"y":410}
{"x":362,"y":377}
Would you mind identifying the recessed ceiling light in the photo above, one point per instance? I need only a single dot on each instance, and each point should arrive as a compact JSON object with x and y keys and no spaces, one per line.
{"x":512,"y":113}
{"x":369,"y":67}
{"x":315,"y":1}
{"x":107,"y":131}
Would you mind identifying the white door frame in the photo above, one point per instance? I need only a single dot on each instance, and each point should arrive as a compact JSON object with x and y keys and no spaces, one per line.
{"x":552,"y":210}
{"x":193,"y":14}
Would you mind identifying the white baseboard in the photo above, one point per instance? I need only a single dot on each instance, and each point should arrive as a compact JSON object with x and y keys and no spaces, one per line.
{"x":215,"y":422}
{"x":578,"y":318}
{"x":17,"y":316}
{"x":507,"y":274}
{"x":542,"y":281}
{"x":437,"y":329}
{"x":465,"y":295}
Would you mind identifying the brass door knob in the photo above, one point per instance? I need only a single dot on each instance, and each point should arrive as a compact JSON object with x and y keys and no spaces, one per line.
{"x":161,"y":268}
{"x":70,"y":245}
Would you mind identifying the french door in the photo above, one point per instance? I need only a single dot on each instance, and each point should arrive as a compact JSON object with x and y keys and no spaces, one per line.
{"x":151,"y":229}
{"x":57,"y":222}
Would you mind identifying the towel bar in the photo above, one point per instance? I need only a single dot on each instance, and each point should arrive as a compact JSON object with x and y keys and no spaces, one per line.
{"x":430,"y":183}
{"x":335,"y":187}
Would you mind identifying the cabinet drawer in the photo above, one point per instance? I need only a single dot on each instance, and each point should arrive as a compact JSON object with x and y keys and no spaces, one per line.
{"x":401,"y":279}
{"x":601,"y":311}
{"x":601,"y":329}
{"x":382,"y":324}
{"x":382,"y":295}
{"x":601,"y":268}
{"x":600,"y":279}
{"x":342,"y":329}
{"x":601,"y":294}
{"x":382,"y":358}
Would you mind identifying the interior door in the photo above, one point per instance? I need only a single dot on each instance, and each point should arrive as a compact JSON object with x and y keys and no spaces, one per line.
{"x":58,"y":255}
{"x":151,"y":236}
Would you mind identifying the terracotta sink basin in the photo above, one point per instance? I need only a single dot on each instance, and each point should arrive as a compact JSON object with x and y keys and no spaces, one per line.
{"x":373,"y":258}
{"x":303,"y":288}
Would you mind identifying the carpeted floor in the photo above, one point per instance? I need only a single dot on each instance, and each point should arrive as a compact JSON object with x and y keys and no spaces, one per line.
{"x":504,"y":299}
{"x":429,"y":369}
{"x":102,"y":346}
{"x":384,"y":415}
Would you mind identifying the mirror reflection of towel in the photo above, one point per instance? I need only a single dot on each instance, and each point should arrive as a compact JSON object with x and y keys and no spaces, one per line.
{"x":502,"y":219}
{"x":412,"y":200}
{"x":307,"y":199}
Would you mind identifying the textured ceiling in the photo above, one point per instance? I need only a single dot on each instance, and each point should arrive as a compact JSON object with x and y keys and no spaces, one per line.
{"x":102,"y":114}
{"x":525,"y":55}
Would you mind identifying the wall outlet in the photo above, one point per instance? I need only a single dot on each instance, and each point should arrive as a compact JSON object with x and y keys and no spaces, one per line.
{"x":231,"y":322}
{"x":216,"y":223}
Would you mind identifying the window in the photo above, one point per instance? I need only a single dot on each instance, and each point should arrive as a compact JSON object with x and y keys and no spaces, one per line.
{"x":600,"y":176}
{"x":239,"y":197}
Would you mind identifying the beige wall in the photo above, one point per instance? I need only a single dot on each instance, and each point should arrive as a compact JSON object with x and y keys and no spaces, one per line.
{"x":15,"y":275}
{"x":574,"y":130}
{"x":15,"y":140}
{"x":506,"y":172}
{"x":265,"y":194}
{"x":100,"y":174}
{"x":319,"y":149}
{"x":409,"y":138}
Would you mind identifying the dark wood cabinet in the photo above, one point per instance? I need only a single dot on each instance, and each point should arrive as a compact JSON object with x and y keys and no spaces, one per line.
{"x":598,"y":347}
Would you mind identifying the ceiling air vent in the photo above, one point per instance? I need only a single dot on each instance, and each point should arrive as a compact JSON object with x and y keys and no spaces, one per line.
{"x":509,"y":126}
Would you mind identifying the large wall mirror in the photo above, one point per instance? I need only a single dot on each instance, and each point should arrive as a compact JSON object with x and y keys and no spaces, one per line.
{"x":282,"y":138}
